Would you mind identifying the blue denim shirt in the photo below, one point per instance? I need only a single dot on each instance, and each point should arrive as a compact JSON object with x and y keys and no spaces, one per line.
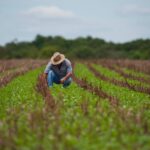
{"x":64,"y":69}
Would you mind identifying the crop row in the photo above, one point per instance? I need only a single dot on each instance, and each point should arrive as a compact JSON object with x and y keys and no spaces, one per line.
{"x":17,"y":63}
{"x":125,"y":114}
{"x":77,"y":117}
{"x":25,"y":66}
{"x":139,"y":66}
{"x":127,"y":73}
{"x":123,"y":75}
{"x":136,"y":101}
{"x":123,"y":82}
{"x":99,"y":115}
{"x":18,"y":105}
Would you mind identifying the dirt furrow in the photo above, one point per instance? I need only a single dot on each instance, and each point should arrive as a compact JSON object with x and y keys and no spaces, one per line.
{"x":43,"y":89}
{"x":124,"y":74}
{"x":98,"y":91}
{"x":10,"y":76}
{"x":136,"y":65}
{"x":11,"y":64}
{"x":126,"y":115}
{"x":118,"y":82}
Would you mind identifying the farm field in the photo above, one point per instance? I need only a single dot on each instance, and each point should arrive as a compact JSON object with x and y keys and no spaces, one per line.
{"x":107,"y":106}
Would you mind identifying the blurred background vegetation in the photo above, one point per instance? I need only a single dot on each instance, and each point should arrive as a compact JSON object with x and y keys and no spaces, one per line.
{"x":82,"y":47}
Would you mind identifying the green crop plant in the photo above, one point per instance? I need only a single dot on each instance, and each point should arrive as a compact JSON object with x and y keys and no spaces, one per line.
{"x":79,"y":120}
{"x":114,"y":75}
{"x":137,"y":73}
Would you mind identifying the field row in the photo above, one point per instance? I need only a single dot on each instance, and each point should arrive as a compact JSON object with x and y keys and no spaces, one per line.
{"x":13,"y":68}
{"x":90,"y":114}
{"x":137,"y":67}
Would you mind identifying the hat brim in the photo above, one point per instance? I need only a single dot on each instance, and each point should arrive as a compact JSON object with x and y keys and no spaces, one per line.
{"x":58,"y":62}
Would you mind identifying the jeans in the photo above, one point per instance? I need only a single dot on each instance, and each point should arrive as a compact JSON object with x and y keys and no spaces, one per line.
{"x":52,"y":78}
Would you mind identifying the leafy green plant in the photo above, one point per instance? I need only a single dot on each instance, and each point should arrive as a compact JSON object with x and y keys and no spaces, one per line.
{"x":79,"y":120}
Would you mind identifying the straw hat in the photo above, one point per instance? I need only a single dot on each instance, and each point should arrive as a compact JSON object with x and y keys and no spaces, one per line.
{"x":57,"y":58}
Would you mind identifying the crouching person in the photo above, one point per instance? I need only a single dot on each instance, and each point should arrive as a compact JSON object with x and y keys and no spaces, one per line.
{"x":58,"y":70}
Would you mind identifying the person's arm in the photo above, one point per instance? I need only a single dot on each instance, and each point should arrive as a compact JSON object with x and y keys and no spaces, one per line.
{"x":69,"y":72}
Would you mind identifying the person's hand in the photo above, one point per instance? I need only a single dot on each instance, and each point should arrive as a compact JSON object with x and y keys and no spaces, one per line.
{"x":62,"y":80}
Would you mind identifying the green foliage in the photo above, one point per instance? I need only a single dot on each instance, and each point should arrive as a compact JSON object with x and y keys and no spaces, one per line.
{"x":80,"y":120}
{"x":19,"y":92}
{"x":43,"y":47}
{"x":128,"y":97}
{"x":114,"y":75}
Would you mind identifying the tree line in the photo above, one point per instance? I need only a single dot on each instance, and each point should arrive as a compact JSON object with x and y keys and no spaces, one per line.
{"x":81,"y":47}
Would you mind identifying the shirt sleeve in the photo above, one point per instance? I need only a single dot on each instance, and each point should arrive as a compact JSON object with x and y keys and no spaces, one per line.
{"x":48,"y":67}
{"x":69,"y":67}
